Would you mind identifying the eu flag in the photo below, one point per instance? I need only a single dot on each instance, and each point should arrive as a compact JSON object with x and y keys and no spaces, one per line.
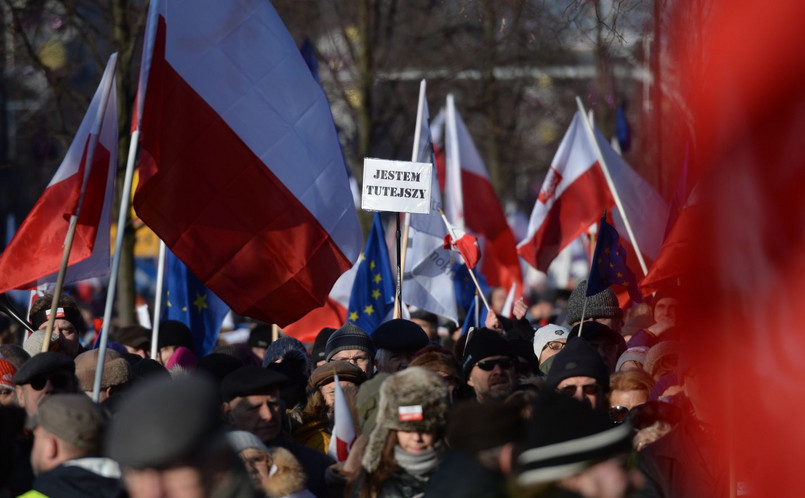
{"x":609,"y":264}
{"x":465,"y":287}
{"x":473,"y":321}
{"x":189,"y":301}
{"x":373,"y":291}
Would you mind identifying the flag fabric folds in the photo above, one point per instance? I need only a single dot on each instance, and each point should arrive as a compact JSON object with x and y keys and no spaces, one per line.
{"x":575,"y":192}
{"x":242,"y":176}
{"x":190,"y":302}
{"x":466,"y":245}
{"x":343,"y":428}
{"x":609,"y":264}
{"x":373,"y":291}
{"x":35,"y":252}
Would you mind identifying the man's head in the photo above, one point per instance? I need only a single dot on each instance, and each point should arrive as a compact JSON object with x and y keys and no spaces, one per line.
{"x":69,"y":323}
{"x":7,"y":394}
{"x":321,"y":387}
{"x":172,"y":335}
{"x":609,"y":344}
{"x":260,"y":338}
{"x":44,"y":374}
{"x":251,"y":401}
{"x":318,"y":353}
{"x":489,"y":365}
{"x":428,"y":321}
{"x":350,"y":343}
{"x":549,"y":340}
{"x":116,"y":372}
{"x":666,"y":303}
{"x":136,"y":339}
{"x":397,"y":340}
{"x":602,"y":307}
{"x":579,"y":372}
{"x":65,"y":427}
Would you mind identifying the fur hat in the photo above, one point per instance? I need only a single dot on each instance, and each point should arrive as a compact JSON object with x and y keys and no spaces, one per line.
{"x":601,"y":305}
{"x":116,"y":369}
{"x":414,"y":399}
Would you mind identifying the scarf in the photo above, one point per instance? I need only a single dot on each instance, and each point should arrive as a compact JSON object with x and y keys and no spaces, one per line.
{"x":417,"y":464}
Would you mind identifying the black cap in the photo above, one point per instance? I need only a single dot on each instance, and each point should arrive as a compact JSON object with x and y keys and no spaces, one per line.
{"x":578,"y":359}
{"x":164,"y":421}
{"x":175,"y":333}
{"x":219,"y":365}
{"x":400,"y":335}
{"x":43,"y":363}
{"x":260,"y":337}
{"x":483,"y":343}
{"x":319,"y":351}
{"x":135,"y":336}
{"x":249,"y":380}
{"x":425,"y":316}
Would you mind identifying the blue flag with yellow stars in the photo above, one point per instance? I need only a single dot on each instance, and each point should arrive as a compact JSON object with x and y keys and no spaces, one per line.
{"x":609,"y":264}
{"x":373,"y":291}
{"x":189,"y":301}
{"x":465,"y":287}
{"x":476,"y":316}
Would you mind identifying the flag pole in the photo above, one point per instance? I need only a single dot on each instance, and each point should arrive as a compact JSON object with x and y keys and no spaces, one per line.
{"x":398,"y":292}
{"x":472,"y":274}
{"x":158,"y":300}
{"x":605,"y":169}
{"x":7,"y":307}
{"x":110,"y":293}
{"x":68,"y":240}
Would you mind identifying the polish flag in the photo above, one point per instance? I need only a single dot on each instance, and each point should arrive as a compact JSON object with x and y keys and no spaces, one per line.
{"x":465,"y":244}
{"x":466,"y":179}
{"x":34,"y":254}
{"x":241,"y":172}
{"x":575,"y":194}
{"x":344,"y":429}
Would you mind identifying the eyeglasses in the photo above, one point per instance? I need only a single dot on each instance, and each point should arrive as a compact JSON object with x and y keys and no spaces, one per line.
{"x":489,"y":365}
{"x":57,"y":381}
{"x":555,"y":345}
{"x":587,"y":389}
{"x":618,"y":414}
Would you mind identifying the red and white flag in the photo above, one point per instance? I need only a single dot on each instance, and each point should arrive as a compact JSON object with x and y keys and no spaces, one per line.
{"x":241,"y":172}
{"x":464,"y":243}
{"x":34,"y":254}
{"x":467,"y":180}
{"x":575,"y":193}
{"x":343,"y":429}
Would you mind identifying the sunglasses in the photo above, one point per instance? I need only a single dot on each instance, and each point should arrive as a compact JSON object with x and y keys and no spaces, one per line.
{"x":57,"y":381}
{"x":489,"y":365}
{"x":618,"y":414}
{"x":555,"y":345}
{"x":587,"y":389}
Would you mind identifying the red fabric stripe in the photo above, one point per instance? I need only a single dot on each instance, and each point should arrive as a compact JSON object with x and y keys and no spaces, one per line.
{"x":484,"y":216}
{"x":579,"y":206}
{"x":308,"y":327}
{"x":222,"y":211}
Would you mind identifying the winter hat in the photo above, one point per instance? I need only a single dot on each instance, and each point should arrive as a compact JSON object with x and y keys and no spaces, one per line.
{"x":475,"y":427}
{"x":318,"y":353}
{"x":481,"y":344}
{"x":260,"y":337}
{"x":135,"y":336}
{"x":400,"y":335}
{"x":414,"y":399}
{"x":659,"y":351}
{"x":7,"y":371}
{"x":244,"y":440}
{"x":601,"y":305}
{"x":249,"y":380}
{"x":565,"y":437}
{"x":218,"y":365}
{"x":174,"y":333}
{"x":578,"y":359}
{"x":285,"y":348}
{"x":183,"y":357}
{"x":116,"y":369}
{"x":33,"y":344}
{"x":65,"y":311}
{"x":637,"y":353}
{"x":73,"y":418}
{"x":44,"y":363}
{"x":345,"y":370}
{"x":348,"y":337}
{"x":546,"y":334}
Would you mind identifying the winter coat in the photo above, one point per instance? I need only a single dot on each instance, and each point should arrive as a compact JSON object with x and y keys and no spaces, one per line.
{"x":313,"y":462}
{"x":400,"y":484}
{"x":313,"y":434}
{"x":80,"y":478}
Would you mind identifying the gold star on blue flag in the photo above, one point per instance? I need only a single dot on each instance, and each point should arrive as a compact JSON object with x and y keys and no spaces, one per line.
{"x":189,"y":301}
{"x":372,"y":295}
{"x":609,"y":264}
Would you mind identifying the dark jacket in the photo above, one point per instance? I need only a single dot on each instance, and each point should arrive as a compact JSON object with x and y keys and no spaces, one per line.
{"x":84,"y":477}
{"x":400,"y":484}
{"x":314,"y":463}
{"x":460,"y":475}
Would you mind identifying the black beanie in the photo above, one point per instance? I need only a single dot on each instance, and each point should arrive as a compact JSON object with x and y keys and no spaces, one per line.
{"x":601,"y":305}
{"x":483,"y":343}
{"x":350,"y":336}
{"x":318,"y":353}
{"x":578,"y":359}
{"x":175,"y":333}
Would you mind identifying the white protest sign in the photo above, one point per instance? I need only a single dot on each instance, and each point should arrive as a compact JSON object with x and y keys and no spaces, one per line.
{"x":398,"y":186}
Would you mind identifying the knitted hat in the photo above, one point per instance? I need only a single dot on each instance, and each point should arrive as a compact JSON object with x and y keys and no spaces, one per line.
{"x":116,"y":369}
{"x":175,"y":333}
{"x":658,"y":352}
{"x":318,"y":353}
{"x":414,"y":399}
{"x":73,"y":418}
{"x":400,"y":335}
{"x":601,"y":305}
{"x":285,"y":348}
{"x":637,"y":353}
{"x":349,"y":337}
{"x":244,"y":440}
{"x":7,"y":371}
{"x":578,"y":359}
{"x":546,"y":334}
{"x":33,"y":344}
{"x":345,"y":370}
{"x":481,"y":344}
{"x":565,"y":437}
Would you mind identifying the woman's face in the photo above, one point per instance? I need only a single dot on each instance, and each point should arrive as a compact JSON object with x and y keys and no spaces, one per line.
{"x":257,"y":463}
{"x":415,"y":442}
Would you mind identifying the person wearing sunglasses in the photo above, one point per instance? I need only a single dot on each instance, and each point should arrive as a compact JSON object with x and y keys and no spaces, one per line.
{"x":44,"y":374}
{"x":579,"y":372}
{"x":488,"y":365}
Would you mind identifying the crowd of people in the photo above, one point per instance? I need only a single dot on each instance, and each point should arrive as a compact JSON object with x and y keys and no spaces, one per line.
{"x":583,"y":400}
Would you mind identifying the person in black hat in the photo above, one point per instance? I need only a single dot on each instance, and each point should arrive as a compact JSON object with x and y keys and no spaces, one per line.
{"x":488,"y":365}
{"x":136,"y":339}
{"x":429,"y":323}
{"x":172,"y":335}
{"x":610,"y":344}
{"x":397,"y":340}
{"x":350,"y":343}
{"x":251,"y":402}
{"x":259,"y":339}
{"x":579,"y":372}
{"x":44,"y":374}
{"x":319,"y":354}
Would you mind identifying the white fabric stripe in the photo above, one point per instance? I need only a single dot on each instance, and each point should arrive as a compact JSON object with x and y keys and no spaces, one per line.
{"x":550,"y":474}
{"x":587,"y":443}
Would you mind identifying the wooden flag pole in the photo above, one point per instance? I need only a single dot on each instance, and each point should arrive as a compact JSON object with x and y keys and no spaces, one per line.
{"x":158,"y":300}
{"x":605,"y":169}
{"x":68,"y":240}
{"x":398,"y":293}
{"x":472,"y":274}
